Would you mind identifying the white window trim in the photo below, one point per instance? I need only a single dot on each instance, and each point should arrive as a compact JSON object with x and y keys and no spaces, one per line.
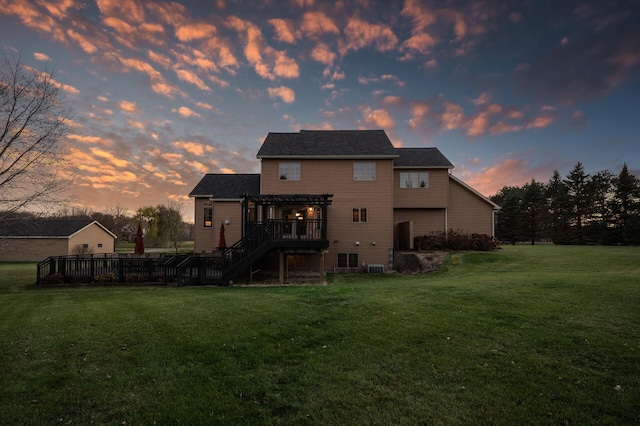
{"x":419,"y":176}
{"x":287,"y":171}
{"x":364,"y":171}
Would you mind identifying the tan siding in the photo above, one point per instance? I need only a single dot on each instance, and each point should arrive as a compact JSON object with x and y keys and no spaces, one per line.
{"x":92,"y":235}
{"x":435,"y":196}
{"x":425,"y":221}
{"x":336,"y":177}
{"x":468,"y":212}
{"x":31,"y":249}
{"x":231,"y":210}
{"x":203,"y":237}
{"x":207,"y":240}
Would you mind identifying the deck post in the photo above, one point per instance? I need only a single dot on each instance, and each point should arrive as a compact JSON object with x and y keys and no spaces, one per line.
{"x":280,"y":267}
{"x":322,"y":267}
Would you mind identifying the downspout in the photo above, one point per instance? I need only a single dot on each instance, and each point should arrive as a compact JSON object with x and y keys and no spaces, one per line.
{"x":493,"y":223}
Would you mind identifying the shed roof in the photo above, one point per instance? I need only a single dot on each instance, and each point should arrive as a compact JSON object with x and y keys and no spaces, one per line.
{"x":227,"y":186}
{"x":421,"y":157}
{"x":328,"y":144}
{"x":45,"y":228}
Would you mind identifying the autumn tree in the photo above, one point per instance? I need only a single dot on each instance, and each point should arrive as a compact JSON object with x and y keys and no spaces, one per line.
{"x":33,"y":122}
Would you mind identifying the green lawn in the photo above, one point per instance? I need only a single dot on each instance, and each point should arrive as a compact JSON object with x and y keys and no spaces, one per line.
{"x":526,"y":335}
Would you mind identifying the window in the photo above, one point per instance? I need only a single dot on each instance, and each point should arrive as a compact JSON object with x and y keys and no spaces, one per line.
{"x":289,"y":171}
{"x":414,"y":180}
{"x":347,"y":260}
{"x":99,"y":245}
{"x":364,"y":171}
{"x":208,"y":214}
{"x":85,"y":246}
{"x":360,"y":215}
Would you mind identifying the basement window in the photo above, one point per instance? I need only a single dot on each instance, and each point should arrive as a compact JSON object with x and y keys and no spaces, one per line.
{"x":347,"y":260}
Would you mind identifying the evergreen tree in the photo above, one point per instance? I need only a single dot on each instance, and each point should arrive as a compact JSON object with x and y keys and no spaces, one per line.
{"x":535,"y":214}
{"x":601,"y":186}
{"x":579,"y":194}
{"x":558,"y":204}
{"x":509,"y":217}
{"x":626,"y":207}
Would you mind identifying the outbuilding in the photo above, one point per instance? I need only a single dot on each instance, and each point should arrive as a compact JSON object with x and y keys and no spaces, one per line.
{"x":35,"y":240}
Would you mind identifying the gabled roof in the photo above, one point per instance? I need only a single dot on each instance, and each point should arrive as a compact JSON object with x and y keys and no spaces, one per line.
{"x":226,"y":186}
{"x":421,"y":157}
{"x":328,"y":144}
{"x":45,"y":228}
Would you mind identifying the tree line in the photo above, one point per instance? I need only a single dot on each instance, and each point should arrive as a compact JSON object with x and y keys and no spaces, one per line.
{"x":580,"y":208}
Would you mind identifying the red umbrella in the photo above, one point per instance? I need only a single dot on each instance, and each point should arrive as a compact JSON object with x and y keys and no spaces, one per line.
{"x":222,"y":244}
{"x":139,"y":242}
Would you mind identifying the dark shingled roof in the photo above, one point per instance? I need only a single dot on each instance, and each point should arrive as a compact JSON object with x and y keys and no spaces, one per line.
{"x":227,"y":186}
{"x":421,"y":157}
{"x":42,"y":227}
{"x":328,"y":143}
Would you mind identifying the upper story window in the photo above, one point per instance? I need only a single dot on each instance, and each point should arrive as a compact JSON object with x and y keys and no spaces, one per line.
{"x":289,"y":171}
{"x":414,"y":180}
{"x":208,"y":214}
{"x":364,"y":171}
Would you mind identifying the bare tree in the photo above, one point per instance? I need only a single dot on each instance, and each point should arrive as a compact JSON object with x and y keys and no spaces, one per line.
{"x":33,"y":123}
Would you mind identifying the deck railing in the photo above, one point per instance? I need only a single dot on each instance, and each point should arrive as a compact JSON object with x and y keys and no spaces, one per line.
{"x":186,"y":269}
{"x":109,"y":268}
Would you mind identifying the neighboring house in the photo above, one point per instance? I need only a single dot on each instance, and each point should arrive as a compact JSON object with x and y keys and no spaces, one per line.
{"x":35,"y":240}
{"x":337,"y":200}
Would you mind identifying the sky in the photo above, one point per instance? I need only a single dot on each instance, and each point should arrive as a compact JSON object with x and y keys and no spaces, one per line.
{"x":163,"y":92}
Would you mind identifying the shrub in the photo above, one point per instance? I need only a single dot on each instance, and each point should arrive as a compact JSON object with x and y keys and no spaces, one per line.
{"x":455,"y":240}
{"x":52,"y":279}
{"x":135,"y":278}
{"x":109,"y":277}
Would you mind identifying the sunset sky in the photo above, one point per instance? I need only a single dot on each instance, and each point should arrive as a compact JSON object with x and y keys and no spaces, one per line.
{"x":163,"y":92}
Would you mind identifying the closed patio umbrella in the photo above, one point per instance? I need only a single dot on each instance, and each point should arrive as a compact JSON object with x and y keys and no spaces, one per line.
{"x":139,"y":242}
{"x":222,"y":244}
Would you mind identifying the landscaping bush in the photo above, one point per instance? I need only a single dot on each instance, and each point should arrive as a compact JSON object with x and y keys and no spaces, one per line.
{"x":109,"y":277}
{"x":455,"y":240}
{"x":135,"y":278}
{"x":52,"y":279}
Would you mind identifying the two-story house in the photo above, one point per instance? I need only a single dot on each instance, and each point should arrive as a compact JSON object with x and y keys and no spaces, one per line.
{"x":333,"y":201}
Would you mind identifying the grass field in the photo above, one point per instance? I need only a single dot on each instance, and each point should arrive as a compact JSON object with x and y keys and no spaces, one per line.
{"x":526,"y":335}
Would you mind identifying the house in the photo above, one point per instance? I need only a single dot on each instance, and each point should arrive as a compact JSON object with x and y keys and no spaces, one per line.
{"x":340,"y":200}
{"x":35,"y":240}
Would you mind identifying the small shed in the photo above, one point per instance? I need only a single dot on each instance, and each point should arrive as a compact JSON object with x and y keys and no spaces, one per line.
{"x":35,"y":240}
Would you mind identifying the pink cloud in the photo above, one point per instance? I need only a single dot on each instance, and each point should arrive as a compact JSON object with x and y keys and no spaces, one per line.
{"x":186,"y":112}
{"x":41,"y":57}
{"x":195,"y":31}
{"x":131,"y":10}
{"x":378,"y":117}
{"x":128,"y":107}
{"x":286,"y":94}
{"x":360,"y":34}
{"x":268,"y":62}
{"x":190,"y":77}
{"x":285,"y":30}
{"x":323,"y":54}
{"x":507,"y":172}
{"x":193,"y":147}
{"x":315,"y":24}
